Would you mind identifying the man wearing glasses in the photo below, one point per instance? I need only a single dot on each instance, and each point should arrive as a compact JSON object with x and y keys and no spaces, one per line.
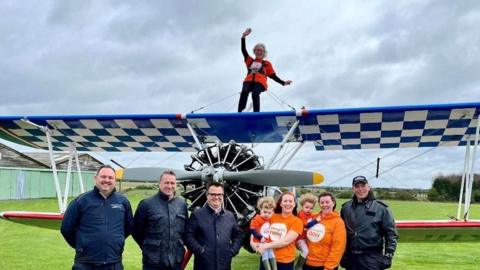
{"x":212,"y":233}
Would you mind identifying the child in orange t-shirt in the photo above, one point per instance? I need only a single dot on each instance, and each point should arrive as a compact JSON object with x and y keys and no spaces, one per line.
{"x":307,"y":202}
{"x":260,"y":230}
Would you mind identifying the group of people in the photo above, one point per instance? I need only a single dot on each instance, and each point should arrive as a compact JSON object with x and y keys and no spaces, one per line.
{"x":96,"y":224}
{"x":362,"y":236}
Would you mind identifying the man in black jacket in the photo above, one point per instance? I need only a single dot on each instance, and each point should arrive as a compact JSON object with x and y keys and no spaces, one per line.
{"x":96,"y":224}
{"x":212,"y":234}
{"x":159,"y":226}
{"x":371,"y":233}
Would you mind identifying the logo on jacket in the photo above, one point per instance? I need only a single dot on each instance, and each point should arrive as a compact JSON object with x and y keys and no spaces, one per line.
{"x":316,"y":233}
{"x":278,"y":231}
{"x":265,"y":229}
{"x":255,"y":66}
{"x":116,"y":206}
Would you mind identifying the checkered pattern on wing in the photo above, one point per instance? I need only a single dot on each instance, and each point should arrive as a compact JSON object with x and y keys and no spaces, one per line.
{"x":111,"y":135}
{"x":390,"y":129}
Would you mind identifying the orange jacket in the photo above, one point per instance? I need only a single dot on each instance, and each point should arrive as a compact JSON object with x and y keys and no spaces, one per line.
{"x":266,"y":69}
{"x":326,"y":241}
{"x":261,"y":226}
{"x":279,"y":227}
{"x":305,"y":219}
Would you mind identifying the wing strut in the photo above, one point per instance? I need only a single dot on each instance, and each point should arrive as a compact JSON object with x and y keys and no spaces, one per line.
{"x":292,"y":155}
{"x":73,"y":154}
{"x":284,"y":141}
{"x":195,"y":137}
{"x":54,"y":169}
{"x":62,"y":201}
{"x":468,"y":174}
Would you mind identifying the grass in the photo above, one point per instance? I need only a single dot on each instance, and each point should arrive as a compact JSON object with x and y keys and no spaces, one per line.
{"x":25,"y":247}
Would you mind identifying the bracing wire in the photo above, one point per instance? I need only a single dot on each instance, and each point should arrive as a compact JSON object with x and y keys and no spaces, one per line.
{"x":214,"y":102}
{"x":280,"y":101}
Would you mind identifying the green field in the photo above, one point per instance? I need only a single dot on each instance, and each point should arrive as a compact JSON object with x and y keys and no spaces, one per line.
{"x":24,"y":247}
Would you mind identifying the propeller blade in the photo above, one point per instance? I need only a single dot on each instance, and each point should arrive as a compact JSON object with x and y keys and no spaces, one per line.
{"x":152,"y":174}
{"x":281,"y":178}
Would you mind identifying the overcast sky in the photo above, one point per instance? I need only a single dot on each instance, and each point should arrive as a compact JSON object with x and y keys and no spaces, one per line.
{"x":119,"y":57}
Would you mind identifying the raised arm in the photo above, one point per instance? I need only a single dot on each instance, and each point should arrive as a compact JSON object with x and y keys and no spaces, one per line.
{"x":244,"y":46}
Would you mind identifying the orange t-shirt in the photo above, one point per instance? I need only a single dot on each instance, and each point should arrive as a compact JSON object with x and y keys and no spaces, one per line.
{"x":305,"y":219}
{"x":326,"y":241}
{"x":261,"y":76}
{"x":260,"y":225}
{"x":279,"y":227}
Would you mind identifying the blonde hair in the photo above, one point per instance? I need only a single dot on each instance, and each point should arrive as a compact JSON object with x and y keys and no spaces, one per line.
{"x":308,"y":197}
{"x":266,"y":203}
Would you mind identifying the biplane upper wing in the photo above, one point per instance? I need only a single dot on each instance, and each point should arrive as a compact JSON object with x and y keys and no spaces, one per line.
{"x":329,"y":129}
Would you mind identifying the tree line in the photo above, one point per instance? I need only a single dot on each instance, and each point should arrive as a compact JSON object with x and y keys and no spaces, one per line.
{"x":447,"y":188}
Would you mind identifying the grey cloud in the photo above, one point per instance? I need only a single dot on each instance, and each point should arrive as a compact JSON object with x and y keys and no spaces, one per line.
{"x":91,"y":57}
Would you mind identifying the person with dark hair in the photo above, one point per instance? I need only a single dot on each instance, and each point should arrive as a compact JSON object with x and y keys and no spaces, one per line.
{"x":258,"y":70}
{"x":326,"y":236}
{"x":285,"y":227}
{"x":96,"y":224}
{"x":212,"y":234}
{"x":371,"y":233}
{"x":159,"y":226}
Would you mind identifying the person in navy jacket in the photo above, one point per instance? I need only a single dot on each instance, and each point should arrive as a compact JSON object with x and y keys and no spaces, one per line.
{"x":96,"y":224}
{"x":212,"y":233}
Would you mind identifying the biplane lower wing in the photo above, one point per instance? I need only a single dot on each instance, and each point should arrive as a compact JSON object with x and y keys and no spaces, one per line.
{"x":38,"y":219}
{"x":439,"y":231}
{"x":329,"y":129}
{"x":410,"y":231}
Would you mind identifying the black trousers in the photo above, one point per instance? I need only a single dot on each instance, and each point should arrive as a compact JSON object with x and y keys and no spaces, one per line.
{"x":92,"y":266}
{"x":366,"y":261}
{"x":250,"y":87}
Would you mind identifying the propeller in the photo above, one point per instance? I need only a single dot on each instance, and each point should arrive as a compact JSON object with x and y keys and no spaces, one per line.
{"x":281,"y":178}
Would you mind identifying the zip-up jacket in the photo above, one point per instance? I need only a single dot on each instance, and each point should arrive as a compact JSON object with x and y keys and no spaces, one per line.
{"x":214,"y":238}
{"x":370,"y":226}
{"x":97,"y":227}
{"x":159,"y":226}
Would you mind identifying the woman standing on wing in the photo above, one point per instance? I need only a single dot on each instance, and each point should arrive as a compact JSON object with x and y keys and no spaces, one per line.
{"x":258,"y":71}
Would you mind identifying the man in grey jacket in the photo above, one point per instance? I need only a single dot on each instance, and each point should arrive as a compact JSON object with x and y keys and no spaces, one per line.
{"x":159,"y":226}
{"x":371,"y":233}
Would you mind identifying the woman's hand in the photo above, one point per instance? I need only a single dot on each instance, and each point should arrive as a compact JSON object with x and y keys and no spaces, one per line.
{"x":261,"y":249}
{"x":288,"y":82}
{"x":247,"y":32}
